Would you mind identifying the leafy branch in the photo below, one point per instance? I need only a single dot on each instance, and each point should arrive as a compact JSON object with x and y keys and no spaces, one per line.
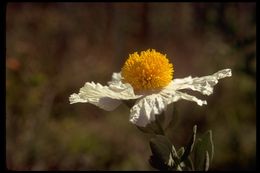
{"x":196,"y":155}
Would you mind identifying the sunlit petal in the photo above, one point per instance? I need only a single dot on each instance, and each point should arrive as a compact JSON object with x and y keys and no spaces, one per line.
{"x":145,"y":109}
{"x":203,"y":84}
{"x":180,"y":95}
{"x":102,"y":96}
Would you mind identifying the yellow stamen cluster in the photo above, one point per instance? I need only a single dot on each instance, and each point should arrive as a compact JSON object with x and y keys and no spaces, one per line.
{"x":148,"y":71}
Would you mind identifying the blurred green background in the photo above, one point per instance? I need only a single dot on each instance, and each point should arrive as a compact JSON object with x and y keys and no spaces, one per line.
{"x":54,"y":48}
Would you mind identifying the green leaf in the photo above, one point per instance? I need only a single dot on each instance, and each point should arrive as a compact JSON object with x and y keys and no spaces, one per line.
{"x":198,"y":155}
{"x":203,"y":145}
{"x":157,"y":163}
{"x":207,"y":138}
{"x":189,"y":166}
{"x":164,"y":155}
{"x":189,"y":147}
{"x":175,"y":156}
{"x":180,"y":152}
{"x":206,"y":161}
{"x":161,"y":147}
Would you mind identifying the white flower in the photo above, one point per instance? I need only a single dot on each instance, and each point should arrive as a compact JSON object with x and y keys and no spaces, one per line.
{"x":151,"y":98}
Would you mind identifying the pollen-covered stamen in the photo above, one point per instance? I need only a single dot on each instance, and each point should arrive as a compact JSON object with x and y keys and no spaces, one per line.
{"x":148,"y":71}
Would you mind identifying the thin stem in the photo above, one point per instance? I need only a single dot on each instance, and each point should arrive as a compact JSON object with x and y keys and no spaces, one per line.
{"x":161,"y":131}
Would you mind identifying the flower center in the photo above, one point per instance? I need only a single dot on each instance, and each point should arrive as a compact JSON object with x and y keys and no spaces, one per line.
{"x":148,"y":71}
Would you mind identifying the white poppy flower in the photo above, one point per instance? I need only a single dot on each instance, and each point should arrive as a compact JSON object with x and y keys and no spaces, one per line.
{"x":147,"y":78}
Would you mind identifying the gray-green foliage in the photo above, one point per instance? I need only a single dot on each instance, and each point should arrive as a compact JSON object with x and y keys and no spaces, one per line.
{"x":203,"y":146}
{"x":196,"y":155}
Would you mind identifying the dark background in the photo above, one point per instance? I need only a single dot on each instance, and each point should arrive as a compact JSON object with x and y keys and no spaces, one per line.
{"x":52,"y":49}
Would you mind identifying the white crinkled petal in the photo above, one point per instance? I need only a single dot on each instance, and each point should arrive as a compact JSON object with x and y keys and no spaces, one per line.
{"x":145,"y":109}
{"x":202,"y":84}
{"x":116,"y":83}
{"x":116,"y":77}
{"x":107,"y":98}
{"x":177,"y":95}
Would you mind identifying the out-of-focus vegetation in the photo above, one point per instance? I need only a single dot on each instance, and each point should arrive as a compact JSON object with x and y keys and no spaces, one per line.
{"x":54,"y":48}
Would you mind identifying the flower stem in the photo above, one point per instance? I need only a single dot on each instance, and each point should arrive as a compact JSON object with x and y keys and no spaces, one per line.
{"x":161,"y":131}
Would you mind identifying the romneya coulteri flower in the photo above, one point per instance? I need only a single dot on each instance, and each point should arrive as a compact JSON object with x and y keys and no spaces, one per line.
{"x":147,"y":78}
